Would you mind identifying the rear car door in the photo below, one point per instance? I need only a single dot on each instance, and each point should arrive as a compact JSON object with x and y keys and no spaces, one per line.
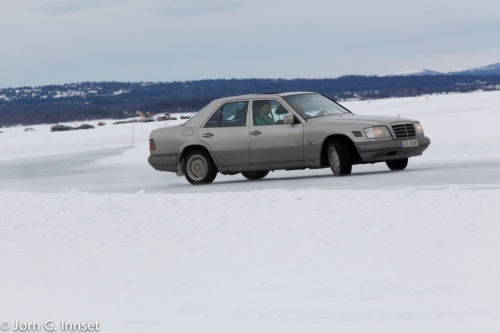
{"x":226,"y":132}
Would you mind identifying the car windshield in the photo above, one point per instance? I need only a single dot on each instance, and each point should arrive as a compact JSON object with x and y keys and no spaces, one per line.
{"x":314,"y":105}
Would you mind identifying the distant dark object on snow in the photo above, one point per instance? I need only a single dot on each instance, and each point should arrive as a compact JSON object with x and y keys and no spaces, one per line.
{"x":185,"y":117}
{"x":120,"y":122}
{"x":101,"y":123}
{"x":85,"y":126}
{"x":29,"y":129}
{"x":167,"y":116}
{"x":59,"y":128}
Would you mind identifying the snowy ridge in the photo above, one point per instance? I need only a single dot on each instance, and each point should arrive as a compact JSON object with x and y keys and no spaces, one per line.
{"x":493,"y":69}
{"x":416,"y":72}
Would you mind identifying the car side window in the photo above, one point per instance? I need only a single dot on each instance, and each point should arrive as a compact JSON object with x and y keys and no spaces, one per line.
{"x":214,"y":121}
{"x":234,"y":114}
{"x":268,"y":112}
{"x":231,"y":114}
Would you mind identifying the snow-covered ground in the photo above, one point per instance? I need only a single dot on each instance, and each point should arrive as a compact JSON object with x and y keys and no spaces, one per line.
{"x":261,"y":260}
{"x":461,"y":127}
{"x":15,"y":143}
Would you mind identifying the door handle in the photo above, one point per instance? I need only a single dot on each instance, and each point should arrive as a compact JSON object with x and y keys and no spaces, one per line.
{"x":255,"y":133}
{"x":207,"y":135}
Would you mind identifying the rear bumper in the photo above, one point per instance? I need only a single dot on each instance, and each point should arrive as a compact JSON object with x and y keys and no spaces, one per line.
{"x":390,"y":150}
{"x":164,"y":162}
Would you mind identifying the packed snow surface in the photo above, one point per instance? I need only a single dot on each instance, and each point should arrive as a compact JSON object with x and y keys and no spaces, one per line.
{"x":263,"y":260}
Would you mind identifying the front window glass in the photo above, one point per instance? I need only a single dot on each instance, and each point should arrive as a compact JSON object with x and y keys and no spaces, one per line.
{"x":268,"y":112}
{"x":314,"y":105}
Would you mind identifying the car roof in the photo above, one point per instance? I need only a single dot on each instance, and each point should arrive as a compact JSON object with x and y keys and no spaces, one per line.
{"x":263,"y":95}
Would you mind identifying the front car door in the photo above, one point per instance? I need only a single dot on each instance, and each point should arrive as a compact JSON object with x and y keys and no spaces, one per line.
{"x":272,"y":141}
{"x":226,"y":132}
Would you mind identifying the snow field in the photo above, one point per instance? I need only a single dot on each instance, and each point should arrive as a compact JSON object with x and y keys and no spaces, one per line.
{"x":262,"y":261}
{"x":15,"y":143}
{"x":460,"y":126}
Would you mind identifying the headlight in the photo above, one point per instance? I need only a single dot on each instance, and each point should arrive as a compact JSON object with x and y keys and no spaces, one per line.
{"x":379,"y":132}
{"x":419,"y":131}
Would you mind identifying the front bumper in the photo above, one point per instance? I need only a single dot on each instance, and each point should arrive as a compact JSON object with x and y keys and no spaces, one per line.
{"x":164,"y":162}
{"x":390,"y":150}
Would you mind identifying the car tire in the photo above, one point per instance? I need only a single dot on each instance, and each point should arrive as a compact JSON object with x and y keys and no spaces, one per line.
{"x":199,"y":168}
{"x":339,"y":158}
{"x":252,"y":175}
{"x":396,"y":165}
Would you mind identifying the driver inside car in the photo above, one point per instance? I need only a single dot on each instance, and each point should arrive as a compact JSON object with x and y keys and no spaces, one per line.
{"x":298,"y":107}
{"x":263,"y":116}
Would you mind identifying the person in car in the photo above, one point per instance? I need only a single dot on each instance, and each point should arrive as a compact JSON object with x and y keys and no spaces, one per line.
{"x":264,"y":113}
{"x":298,"y":107}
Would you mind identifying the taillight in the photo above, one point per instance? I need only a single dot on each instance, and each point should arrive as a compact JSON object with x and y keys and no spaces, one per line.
{"x":152,"y":145}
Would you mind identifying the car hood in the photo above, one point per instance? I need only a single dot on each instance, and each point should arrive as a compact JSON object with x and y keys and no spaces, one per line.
{"x":351,"y":117}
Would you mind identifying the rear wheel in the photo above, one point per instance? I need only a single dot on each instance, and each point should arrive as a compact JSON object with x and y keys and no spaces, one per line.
{"x":396,"y":165}
{"x":255,"y":174}
{"x":339,"y":158}
{"x":199,"y":168}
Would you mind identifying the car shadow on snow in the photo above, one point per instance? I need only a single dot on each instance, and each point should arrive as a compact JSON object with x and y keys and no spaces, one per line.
{"x":221,"y":181}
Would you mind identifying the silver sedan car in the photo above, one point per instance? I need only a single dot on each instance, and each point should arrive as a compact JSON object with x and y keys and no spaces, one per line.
{"x":254,"y":134}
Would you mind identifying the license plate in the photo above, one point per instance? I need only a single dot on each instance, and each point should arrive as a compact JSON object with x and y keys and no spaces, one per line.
{"x":409,"y":143}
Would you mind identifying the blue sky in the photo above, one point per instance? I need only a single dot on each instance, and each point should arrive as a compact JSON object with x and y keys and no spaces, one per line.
{"x":63,"y":41}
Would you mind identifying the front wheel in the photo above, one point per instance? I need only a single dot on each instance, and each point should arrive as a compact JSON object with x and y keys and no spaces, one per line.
{"x":255,"y":174}
{"x":396,"y":165}
{"x":199,"y":168}
{"x":339,"y":158}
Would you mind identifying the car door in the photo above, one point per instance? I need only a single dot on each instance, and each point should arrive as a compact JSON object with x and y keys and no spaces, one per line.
{"x":274,"y":141}
{"x":226,"y":132}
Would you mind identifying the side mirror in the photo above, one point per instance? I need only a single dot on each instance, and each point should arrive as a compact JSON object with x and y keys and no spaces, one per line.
{"x":289,"y":119}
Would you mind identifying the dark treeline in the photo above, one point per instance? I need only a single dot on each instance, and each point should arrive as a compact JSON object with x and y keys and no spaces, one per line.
{"x":98,"y":100}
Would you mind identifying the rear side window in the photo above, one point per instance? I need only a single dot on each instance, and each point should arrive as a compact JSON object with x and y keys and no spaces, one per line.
{"x":214,"y":121}
{"x":231,"y":114}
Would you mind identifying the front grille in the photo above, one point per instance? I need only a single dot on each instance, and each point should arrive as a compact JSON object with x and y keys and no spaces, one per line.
{"x":404,"y":131}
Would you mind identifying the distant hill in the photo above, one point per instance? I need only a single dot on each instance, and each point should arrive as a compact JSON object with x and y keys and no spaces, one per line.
{"x":493,"y":69}
{"x":96,"y":100}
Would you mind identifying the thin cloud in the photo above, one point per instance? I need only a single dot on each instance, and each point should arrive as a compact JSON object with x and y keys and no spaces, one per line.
{"x":197,"y":8}
{"x":67,"y":7}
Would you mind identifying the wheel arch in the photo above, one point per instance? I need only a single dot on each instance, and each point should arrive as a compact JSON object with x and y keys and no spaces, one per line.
{"x":353,"y":151}
{"x":190,"y":148}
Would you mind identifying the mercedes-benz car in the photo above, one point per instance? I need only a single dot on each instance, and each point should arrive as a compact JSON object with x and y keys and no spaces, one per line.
{"x":258,"y":133}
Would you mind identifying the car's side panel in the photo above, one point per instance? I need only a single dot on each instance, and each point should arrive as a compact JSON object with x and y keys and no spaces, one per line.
{"x":230,"y":145}
{"x":280,"y":143}
{"x":276,"y":143}
{"x":315,"y":134}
